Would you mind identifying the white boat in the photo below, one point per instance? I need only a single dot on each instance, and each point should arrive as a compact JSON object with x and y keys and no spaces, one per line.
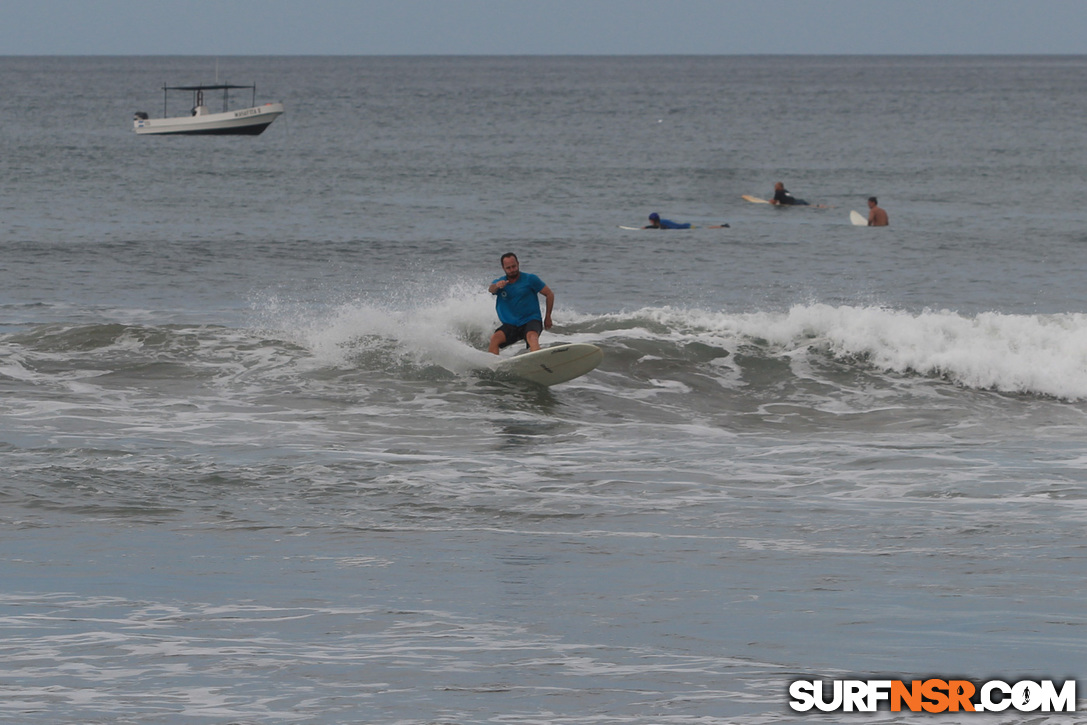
{"x":243,"y":121}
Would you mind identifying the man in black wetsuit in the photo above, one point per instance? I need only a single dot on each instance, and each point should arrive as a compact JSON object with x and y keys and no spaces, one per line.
{"x":784,"y":198}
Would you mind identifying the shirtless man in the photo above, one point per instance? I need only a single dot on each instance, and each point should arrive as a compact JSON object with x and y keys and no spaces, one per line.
{"x":876,"y":216}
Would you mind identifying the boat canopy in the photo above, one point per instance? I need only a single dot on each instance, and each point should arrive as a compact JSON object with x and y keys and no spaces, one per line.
{"x":214,"y":87}
{"x":198,"y":93}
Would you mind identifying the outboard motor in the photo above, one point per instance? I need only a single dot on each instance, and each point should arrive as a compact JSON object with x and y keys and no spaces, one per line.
{"x":141,"y":115}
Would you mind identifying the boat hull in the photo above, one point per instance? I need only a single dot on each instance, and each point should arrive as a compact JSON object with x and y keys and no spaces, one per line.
{"x":242,"y":122}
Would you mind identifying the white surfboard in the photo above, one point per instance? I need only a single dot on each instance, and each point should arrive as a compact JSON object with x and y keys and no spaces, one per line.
{"x":654,"y":229}
{"x":754,"y":199}
{"x":552,"y":365}
{"x":858,"y":219}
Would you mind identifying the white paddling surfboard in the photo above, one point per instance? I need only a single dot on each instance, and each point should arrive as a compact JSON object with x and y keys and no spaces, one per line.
{"x":858,"y":219}
{"x":552,"y":365}
{"x":654,"y":229}
{"x":693,"y":226}
{"x":754,"y":199}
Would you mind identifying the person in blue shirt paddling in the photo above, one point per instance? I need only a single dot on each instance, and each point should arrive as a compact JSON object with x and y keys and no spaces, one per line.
{"x":655,"y":222}
{"x":518,"y":306}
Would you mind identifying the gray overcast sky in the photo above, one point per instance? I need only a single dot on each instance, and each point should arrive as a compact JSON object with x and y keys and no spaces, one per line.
{"x":530,"y":27}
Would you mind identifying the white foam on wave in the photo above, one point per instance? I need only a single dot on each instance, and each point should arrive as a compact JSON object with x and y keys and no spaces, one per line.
{"x":1032,"y":354}
{"x":443,"y":330}
{"x":450,"y":329}
{"x":1037,"y":354}
{"x":1013,"y":353}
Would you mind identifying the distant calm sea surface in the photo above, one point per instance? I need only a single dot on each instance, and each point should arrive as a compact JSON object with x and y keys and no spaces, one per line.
{"x":255,"y":467}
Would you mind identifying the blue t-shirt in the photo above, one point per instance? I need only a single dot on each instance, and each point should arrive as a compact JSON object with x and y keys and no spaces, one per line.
{"x":517,"y":303}
{"x":669,"y":224}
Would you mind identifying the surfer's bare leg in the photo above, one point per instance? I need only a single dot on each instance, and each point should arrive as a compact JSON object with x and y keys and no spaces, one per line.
{"x":497,"y":340}
{"x":533,"y":340}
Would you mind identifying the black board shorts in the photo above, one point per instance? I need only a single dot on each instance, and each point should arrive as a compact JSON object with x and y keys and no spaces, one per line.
{"x":516,"y":333}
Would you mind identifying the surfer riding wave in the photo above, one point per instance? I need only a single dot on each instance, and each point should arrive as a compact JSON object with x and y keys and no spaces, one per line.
{"x":518,"y":306}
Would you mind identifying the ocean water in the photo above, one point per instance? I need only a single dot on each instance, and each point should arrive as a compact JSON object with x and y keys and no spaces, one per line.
{"x":257,"y":469}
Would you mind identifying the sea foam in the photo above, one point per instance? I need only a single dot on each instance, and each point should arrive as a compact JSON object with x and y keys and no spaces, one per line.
{"x":1031,"y":354}
{"x":1011,"y":353}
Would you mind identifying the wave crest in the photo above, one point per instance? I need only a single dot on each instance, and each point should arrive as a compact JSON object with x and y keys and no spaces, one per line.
{"x":1032,"y":354}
